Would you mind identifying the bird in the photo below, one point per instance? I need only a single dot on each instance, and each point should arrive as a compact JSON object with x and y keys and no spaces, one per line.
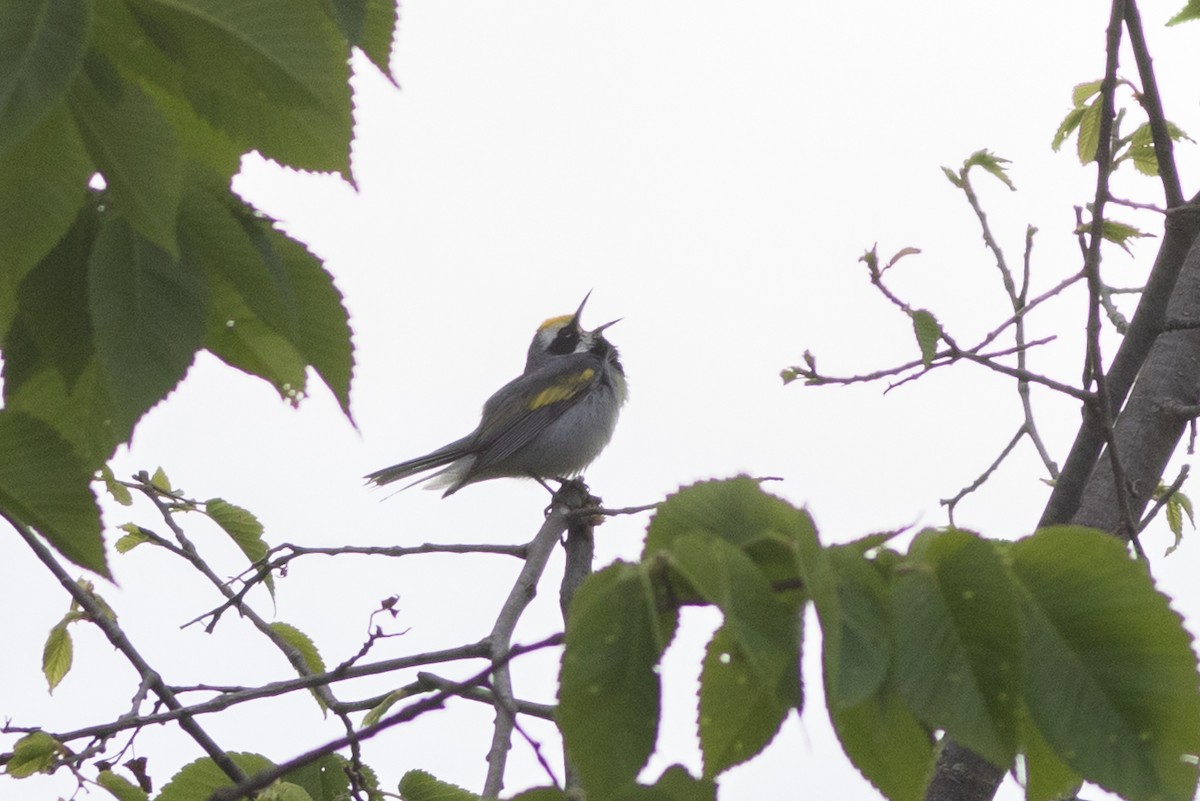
{"x":550,"y":422}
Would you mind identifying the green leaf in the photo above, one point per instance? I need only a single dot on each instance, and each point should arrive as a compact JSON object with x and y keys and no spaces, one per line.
{"x":1111,"y":679}
{"x":43,"y":483}
{"x":737,"y":511}
{"x":377,"y":712}
{"x":739,"y":713}
{"x":133,"y":146}
{"x":859,"y":655}
{"x":378,"y":34}
{"x":542,"y":794}
{"x":160,"y":481}
{"x":282,"y":83}
{"x":302,"y":643}
{"x":928,"y":332}
{"x":1089,"y":132}
{"x":608,"y":704}
{"x":889,"y":746}
{"x":53,"y":300}
{"x":81,"y":414}
{"x":121,"y":788}
{"x":241,"y":525}
{"x":418,"y":785}
{"x":1069,"y":124}
{"x":283,"y":791}
{"x":119,"y":492}
{"x":1189,"y":12}
{"x":57,"y":654}
{"x":197,"y":780}
{"x":148,"y":313}
{"x":1141,"y":150}
{"x":1120,"y":233}
{"x":324,"y":337}
{"x":43,"y":184}
{"x":958,"y":638}
{"x":33,"y":753}
{"x":135,"y":535}
{"x":1046,"y":777}
{"x":1178,"y":505}
{"x":42,"y":44}
{"x":677,"y":784}
{"x":324,"y":779}
{"x":1084,"y":92}
{"x":992,"y":164}
{"x":953,"y":177}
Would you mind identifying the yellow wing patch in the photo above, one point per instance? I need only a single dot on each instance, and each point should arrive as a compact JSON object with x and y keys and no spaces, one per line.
{"x":566,"y":387}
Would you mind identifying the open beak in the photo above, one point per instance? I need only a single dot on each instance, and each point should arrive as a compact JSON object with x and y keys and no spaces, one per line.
{"x":601,"y":328}
{"x":579,"y":311}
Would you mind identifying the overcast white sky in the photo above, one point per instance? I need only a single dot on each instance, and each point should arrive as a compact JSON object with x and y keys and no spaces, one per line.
{"x":711,"y":172}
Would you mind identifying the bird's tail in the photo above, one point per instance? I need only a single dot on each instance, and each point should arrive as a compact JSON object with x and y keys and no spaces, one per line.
{"x":440,"y":458}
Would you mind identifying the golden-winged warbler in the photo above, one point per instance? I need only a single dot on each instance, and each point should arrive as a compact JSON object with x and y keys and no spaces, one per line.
{"x":549,"y":422}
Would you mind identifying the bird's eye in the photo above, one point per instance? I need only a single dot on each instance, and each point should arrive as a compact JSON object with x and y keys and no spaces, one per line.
{"x":565,"y":341}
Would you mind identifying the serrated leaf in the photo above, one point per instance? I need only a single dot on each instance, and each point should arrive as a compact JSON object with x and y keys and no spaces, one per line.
{"x":608,"y":704}
{"x":1069,"y":124}
{"x":1046,"y":777}
{"x":858,"y":657}
{"x":198,"y":780}
{"x":134,"y":147}
{"x":376,"y":713}
{"x":81,"y":413}
{"x":378,"y":34}
{"x":33,"y":753}
{"x":43,"y":184}
{"x":958,"y":637}
{"x":148,"y":315}
{"x":324,"y":339}
{"x":419,"y":785}
{"x":1189,"y":12}
{"x":283,"y":791}
{"x":244,"y":529}
{"x":1110,"y":676}
{"x":119,"y":492}
{"x":323,"y":780}
{"x":1084,"y":92}
{"x":1121,"y":233}
{"x":1089,"y":132}
{"x":160,"y":481}
{"x":992,"y":164}
{"x":1141,"y":150}
{"x":121,"y":788}
{"x":928,"y":332}
{"x":307,"y":649}
{"x":42,"y":45}
{"x":889,"y":746}
{"x":282,"y":86}
{"x":135,"y":535}
{"x":739,"y":713}
{"x":44,"y":484}
{"x":953,"y":177}
{"x":57,"y":654}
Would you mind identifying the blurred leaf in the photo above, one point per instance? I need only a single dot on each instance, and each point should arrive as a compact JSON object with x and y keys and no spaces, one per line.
{"x":609,"y":690}
{"x":992,"y":164}
{"x":1067,"y":126}
{"x":1089,"y":132}
{"x":43,"y":184}
{"x":739,"y":713}
{"x":134,"y":147}
{"x":119,"y":492}
{"x":121,"y":788}
{"x":377,"y":712}
{"x":57,"y":654}
{"x":44,"y":484}
{"x":323,"y":780}
{"x":1111,"y":679}
{"x":242,"y":527}
{"x":135,"y":535}
{"x":1189,"y":12}
{"x":42,"y":44}
{"x":418,"y":785}
{"x":148,"y":313}
{"x":928,"y":332}
{"x":198,"y":780}
{"x":958,"y":639}
{"x":160,"y":481}
{"x":33,"y":753}
{"x":1046,"y":777}
{"x":1084,"y":92}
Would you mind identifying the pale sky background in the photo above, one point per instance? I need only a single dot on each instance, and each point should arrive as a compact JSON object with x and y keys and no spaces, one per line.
{"x":712,"y":172}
